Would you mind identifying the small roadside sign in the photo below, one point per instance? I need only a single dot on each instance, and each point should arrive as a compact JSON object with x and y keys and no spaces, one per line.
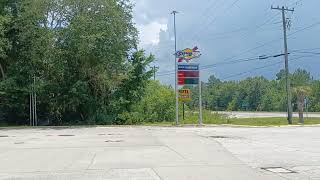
{"x":185,"y":95}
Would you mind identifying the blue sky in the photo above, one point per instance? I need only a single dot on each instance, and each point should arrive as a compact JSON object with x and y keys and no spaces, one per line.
{"x":230,"y":30}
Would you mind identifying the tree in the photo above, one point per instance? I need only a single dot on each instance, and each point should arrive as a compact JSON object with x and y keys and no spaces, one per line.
{"x":83,"y":55}
{"x":301,"y":78}
{"x":315,"y":96}
{"x":301,"y":92}
{"x":281,"y":74}
{"x":213,"y":81}
{"x":5,"y":44}
{"x":134,"y":86}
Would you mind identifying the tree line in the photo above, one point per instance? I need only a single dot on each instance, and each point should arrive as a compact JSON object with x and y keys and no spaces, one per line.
{"x":259,"y":93}
{"x":250,"y":94}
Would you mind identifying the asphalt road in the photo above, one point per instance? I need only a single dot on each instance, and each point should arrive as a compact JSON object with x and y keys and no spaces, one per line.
{"x":235,"y":114}
{"x":137,"y":153}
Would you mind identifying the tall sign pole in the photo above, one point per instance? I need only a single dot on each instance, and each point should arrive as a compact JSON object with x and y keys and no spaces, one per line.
{"x":200,"y":102}
{"x":176,"y":64}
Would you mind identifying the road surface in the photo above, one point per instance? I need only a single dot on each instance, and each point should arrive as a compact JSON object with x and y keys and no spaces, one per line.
{"x":114,"y":153}
{"x":235,"y":114}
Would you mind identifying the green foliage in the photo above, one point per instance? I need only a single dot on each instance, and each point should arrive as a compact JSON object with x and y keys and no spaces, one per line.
{"x":157,"y":105}
{"x":83,"y":55}
{"x":314,"y":97}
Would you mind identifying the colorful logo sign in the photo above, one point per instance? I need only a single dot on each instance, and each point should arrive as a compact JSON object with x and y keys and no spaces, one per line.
{"x":188,"y":54}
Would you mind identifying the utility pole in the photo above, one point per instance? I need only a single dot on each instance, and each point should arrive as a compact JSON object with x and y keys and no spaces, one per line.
{"x":154,"y":69}
{"x":288,"y":88}
{"x":31,"y":110}
{"x":176,"y":64}
{"x":33,"y":104}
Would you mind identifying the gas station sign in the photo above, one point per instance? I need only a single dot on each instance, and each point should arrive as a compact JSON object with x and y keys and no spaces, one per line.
{"x":188,"y":74}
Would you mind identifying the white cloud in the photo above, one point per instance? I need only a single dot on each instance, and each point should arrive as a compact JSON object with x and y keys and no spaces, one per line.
{"x":149,"y":33}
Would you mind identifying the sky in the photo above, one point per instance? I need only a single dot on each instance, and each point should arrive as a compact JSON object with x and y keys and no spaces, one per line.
{"x":231,"y":35}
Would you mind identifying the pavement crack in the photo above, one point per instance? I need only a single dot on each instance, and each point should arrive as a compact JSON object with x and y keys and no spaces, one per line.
{"x":157,"y":173}
{"x":179,"y":154}
{"x":92,"y":160}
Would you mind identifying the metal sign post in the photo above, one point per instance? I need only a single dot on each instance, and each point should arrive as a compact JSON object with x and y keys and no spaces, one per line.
{"x":183,"y":110}
{"x":200,"y":103}
{"x":176,"y":63}
{"x":189,"y":74}
{"x":186,"y":73}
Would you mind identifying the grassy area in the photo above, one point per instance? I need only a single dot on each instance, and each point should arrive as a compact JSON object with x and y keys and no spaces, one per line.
{"x":216,"y":119}
{"x":271,"y":121}
{"x":209,"y":118}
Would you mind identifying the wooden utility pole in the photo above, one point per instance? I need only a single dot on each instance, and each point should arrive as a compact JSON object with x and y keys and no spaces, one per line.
{"x":288,"y":88}
{"x":154,"y":69}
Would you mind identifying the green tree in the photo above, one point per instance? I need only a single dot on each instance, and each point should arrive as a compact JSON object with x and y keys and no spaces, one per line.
{"x":83,"y":55}
{"x":314,"y":99}
{"x":5,"y":45}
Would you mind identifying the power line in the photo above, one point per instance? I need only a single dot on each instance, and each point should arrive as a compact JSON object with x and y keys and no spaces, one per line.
{"x":245,"y":72}
{"x":265,"y":66}
{"x":260,"y":26}
{"x":305,"y":28}
{"x":213,"y":5}
{"x":262,"y":67}
{"x":255,"y":58}
{"x":272,"y":41}
{"x":212,"y":65}
{"x":305,"y":50}
{"x":165,"y":73}
{"x":254,"y":30}
{"x":195,"y":35}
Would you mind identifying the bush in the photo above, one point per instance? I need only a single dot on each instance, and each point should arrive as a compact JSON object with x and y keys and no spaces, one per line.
{"x":157,"y":105}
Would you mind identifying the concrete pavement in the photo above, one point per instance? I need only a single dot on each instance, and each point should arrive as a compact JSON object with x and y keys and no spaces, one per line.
{"x":292,"y":148}
{"x":138,"y":153}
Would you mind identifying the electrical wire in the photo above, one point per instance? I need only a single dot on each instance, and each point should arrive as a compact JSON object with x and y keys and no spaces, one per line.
{"x":166,"y":73}
{"x":196,"y":34}
{"x":262,"y":67}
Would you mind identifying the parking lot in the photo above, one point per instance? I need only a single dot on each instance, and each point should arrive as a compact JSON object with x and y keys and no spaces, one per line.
{"x":120,"y":153}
